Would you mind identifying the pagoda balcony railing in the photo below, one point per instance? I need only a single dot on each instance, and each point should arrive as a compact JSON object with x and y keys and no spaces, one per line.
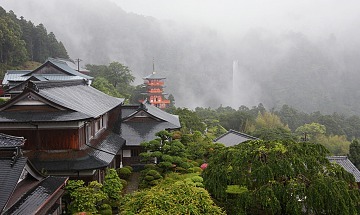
{"x":154,"y":91}
{"x":160,"y":102}
{"x":155,"y":84}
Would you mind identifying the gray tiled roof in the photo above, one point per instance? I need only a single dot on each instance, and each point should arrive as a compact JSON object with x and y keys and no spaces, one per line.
{"x":8,"y":141}
{"x":90,"y":158}
{"x":158,"y":113}
{"x":31,"y":202}
{"x":25,"y":116}
{"x":129,"y":111}
{"x":15,"y":75}
{"x":346,"y":164}
{"x":78,"y":97}
{"x":137,"y":132}
{"x":81,"y":101}
{"x":9,"y":176}
{"x":232,"y":138}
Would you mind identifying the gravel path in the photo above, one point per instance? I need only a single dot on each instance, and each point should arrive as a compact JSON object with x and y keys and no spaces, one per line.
{"x":133,"y":183}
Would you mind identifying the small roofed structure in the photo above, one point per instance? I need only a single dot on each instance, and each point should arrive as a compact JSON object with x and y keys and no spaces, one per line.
{"x":23,"y":190}
{"x":345,"y":163}
{"x":233,"y":137}
{"x":140,"y":123}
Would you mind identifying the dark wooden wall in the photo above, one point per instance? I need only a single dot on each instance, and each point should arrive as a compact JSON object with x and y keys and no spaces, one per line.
{"x":47,"y":139}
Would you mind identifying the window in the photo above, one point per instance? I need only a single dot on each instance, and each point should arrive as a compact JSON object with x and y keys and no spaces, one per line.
{"x":135,"y":152}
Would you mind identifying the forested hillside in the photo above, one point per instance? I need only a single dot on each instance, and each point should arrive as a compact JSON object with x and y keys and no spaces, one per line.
{"x":310,"y":73}
{"x":22,"y":41}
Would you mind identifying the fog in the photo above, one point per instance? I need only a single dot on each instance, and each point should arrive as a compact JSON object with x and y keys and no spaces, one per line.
{"x":301,"y":53}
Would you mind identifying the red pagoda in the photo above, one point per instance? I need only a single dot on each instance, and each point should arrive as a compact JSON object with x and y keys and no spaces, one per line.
{"x":154,"y":91}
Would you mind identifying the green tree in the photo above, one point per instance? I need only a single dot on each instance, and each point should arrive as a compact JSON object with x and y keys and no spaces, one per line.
{"x":85,"y":198}
{"x":168,"y":152}
{"x":311,"y":131}
{"x":56,"y":49}
{"x":106,"y":87}
{"x":112,"y":186}
{"x":199,"y":146}
{"x":12,"y":47}
{"x":354,"y":153}
{"x":280,"y":177}
{"x":268,"y":126}
{"x":336,"y":144}
{"x":119,"y":74}
{"x":41,"y":48}
{"x":189,"y":120}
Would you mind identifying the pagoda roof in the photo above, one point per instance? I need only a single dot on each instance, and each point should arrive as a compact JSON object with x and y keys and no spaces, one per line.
{"x":153,"y":75}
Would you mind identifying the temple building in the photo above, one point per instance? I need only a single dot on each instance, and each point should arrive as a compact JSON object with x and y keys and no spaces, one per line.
{"x":154,"y":90}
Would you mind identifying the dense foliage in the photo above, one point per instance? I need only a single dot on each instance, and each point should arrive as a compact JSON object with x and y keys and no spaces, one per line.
{"x":177,"y":198}
{"x":280,"y":177}
{"x":334,"y":131}
{"x":95,"y":196}
{"x":113,"y":79}
{"x":21,"y":40}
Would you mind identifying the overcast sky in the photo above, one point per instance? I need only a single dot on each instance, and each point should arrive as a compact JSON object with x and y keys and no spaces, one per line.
{"x":237,"y":16}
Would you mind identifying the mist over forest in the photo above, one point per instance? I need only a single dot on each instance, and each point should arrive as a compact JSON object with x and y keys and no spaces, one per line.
{"x":309,"y":71}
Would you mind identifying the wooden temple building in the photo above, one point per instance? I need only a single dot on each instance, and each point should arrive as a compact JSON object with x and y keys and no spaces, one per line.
{"x":68,"y":126}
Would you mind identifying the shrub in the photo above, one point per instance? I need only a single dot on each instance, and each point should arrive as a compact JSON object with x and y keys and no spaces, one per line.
{"x":170,"y":199}
{"x":112,"y":185}
{"x":123,"y":182}
{"x":194,"y":170}
{"x":150,"y":178}
{"x":196,"y":181}
{"x":129,"y":167}
{"x":105,"y":209}
{"x":150,"y":166}
{"x":124,"y":173}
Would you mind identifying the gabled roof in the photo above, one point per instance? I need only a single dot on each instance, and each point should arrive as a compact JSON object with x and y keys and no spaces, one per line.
{"x":154,"y":112}
{"x":62,"y":66}
{"x":345,"y":163}
{"x":233,"y":137}
{"x":92,"y":157}
{"x":71,"y":96}
{"x":137,"y":132}
{"x":141,"y":123}
{"x":9,"y":176}
{"x":39,"y":199}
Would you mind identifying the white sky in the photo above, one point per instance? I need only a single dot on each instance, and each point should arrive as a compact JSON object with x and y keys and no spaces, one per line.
{"x":232,"y":16}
